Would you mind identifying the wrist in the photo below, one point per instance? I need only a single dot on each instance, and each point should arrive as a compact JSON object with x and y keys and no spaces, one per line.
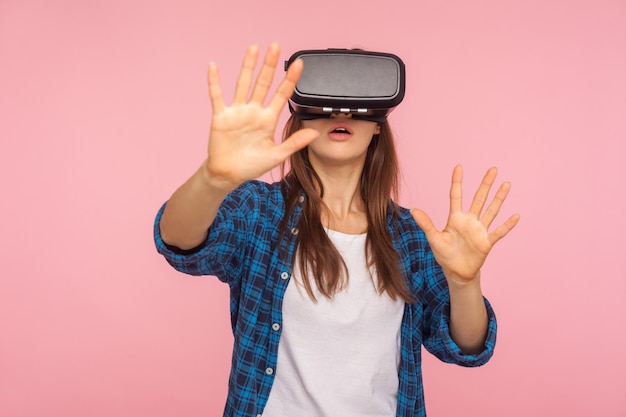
{"x":216,"y":183}
{"x":456,"y":282}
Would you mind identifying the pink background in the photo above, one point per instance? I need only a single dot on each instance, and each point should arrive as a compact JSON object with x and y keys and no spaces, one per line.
{"x":103,"y":112}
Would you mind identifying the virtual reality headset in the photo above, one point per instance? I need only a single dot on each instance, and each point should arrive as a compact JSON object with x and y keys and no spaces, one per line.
{"x":366,"y":84}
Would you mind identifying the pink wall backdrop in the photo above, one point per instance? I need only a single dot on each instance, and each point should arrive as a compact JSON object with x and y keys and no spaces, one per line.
{"x":104,"y":111}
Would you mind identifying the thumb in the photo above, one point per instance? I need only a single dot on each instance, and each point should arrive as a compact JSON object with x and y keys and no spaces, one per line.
{"x":297,"y":141}
{"x":425,"y":223}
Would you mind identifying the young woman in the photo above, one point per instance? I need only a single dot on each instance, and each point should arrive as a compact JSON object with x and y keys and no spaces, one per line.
{"x":334,"y":287}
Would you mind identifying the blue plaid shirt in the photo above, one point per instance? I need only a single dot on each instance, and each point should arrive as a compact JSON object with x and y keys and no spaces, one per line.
{"x":246,"y":250}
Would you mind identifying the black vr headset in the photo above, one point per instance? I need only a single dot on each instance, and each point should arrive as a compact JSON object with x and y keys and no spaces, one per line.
{"x":368,"y":85}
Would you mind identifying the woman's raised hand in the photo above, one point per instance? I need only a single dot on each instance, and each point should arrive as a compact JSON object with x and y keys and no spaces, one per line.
{"x":463,"y":245}
{"x":242,"y":142}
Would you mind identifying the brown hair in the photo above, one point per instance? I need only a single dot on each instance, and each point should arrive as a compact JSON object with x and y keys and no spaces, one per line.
{"x":317,"y":256}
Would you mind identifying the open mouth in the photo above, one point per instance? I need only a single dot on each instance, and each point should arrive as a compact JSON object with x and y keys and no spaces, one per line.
{"x":340,"y":129}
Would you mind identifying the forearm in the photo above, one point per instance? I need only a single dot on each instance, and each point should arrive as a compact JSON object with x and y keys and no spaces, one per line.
{"x":468,"y":316}
{"x":191,"y":210}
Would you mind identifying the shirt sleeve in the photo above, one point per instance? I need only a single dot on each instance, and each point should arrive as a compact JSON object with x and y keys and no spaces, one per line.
{"x":220,"y":255}
{"x":440,"y":343}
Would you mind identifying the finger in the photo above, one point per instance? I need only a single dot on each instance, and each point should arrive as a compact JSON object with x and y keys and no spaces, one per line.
{"x":503,"y":229}
{"x":425,"y":223}
{"x":456,"y":190}
{"x":266,"y":75}
{"x":215,"y":90}
{"x":300,"y":139}
{"x":286,"y":87}
{"x":494,"y":207}
{"x":483,"y":192}
{"x":242,"y":89}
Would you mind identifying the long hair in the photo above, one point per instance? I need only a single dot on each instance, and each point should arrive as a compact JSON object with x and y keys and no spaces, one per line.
{"x":317,"y":257}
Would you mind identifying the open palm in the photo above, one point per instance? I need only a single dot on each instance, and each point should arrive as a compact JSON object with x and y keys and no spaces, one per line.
{"x":463,"y":245}
{"x":241,"y":142}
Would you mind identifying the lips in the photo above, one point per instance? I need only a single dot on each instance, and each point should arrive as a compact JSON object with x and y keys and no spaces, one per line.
{"x":340,"y":131}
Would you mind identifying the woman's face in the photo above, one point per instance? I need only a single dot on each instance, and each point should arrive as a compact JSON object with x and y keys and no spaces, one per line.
{"x":343,"y":140}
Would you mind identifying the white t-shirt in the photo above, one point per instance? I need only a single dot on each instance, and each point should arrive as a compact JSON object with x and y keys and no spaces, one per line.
{"x":339,"y":356}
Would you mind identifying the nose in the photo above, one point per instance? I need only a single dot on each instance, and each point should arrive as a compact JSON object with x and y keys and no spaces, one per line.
{"x":341,"y":115}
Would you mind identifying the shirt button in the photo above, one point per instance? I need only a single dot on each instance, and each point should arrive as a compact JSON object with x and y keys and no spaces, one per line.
{"x":269,"y":371}
{"x":294,"y":231}
{"x":284,"y":275}
{"x":258,"y":415}
{"x":301,"y":199}
{"x":276,"y":326}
